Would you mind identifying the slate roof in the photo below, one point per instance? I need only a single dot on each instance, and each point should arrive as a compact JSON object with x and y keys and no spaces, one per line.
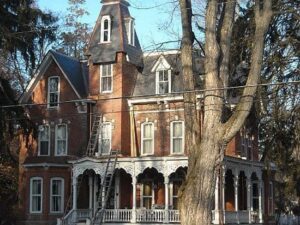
{"x":106,"y":52}
{"x":75,"y":71}
{"x":146,"y":80}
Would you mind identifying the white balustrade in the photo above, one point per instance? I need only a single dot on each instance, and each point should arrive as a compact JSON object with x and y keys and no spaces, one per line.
{"x":150,"y":215}
{"x":174,"y":216}
{"x":118,"y":215}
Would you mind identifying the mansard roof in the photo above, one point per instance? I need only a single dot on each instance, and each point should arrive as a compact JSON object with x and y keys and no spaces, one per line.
{"x":146,"y":79}
{"x":75,"y":72}
{"x":106,"y":52}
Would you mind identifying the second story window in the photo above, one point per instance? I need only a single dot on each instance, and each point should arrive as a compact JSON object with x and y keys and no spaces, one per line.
{"x":53,"y":92}
{"x":147,"y":138}
{"x":177,"y":137}
{"x":44,"y":140}
{"x":163,"y":81}
{"x":105,"y":139}
{"x":105,"y":29}
{"x":106,"y":78}
{"x":61,"y":140}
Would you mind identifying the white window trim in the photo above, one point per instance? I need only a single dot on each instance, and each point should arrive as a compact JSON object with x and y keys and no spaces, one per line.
{"x":142,"y":192}
{"x":100,"y":138}
{"x":56,"y":126}
{"x":169,"y":81}
{"x":112,"y":81}
{"x":31,"y":182}
{"x":62,"y":194}
{"x":48,"y":93}
{"x":39,"y":140}
{"x":171,"y":137}
{"x":142,"y":139}
{"x":102,"y":29}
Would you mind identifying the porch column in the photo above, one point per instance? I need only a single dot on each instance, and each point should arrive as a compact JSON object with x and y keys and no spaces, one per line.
{"x":223,"y":182}
{"x":166,"y":181}
{"x":217,"y":204}
{"x":95,"y":193}
{"x":74,"y":192}
{"x":260,"y":213}
{"x":236,"y":195}
{"x":90,"y":192}
{"x":248,"y":185}
{"x":133,"y":220}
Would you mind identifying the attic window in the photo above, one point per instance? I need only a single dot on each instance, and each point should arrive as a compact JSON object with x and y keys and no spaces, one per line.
{"x":130,"y":32}
{"x":53,"y":92}
{"x":163,"y":81}
{"x":105,"y":29}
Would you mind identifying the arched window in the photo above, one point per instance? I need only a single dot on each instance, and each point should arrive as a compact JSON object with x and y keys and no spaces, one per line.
{"x":130,"y":31}
{"x":44,"y":140}
{"x":61,"y":140}
{"x":105,"y":29}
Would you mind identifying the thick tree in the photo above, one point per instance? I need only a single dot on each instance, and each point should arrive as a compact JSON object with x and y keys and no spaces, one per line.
{"x":206,"y":152}
{"x":24,"y":30}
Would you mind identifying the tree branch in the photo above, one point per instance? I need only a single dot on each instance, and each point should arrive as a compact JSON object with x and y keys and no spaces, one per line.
{"x":263,"y":16}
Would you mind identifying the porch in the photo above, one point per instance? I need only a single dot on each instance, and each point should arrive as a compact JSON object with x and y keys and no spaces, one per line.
{"x":145,"y":191}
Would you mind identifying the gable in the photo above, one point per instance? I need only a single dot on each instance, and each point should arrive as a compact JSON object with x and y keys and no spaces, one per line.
{"x":70,"y":69}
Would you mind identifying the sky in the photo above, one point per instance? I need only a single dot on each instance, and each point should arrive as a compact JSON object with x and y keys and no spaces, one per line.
{"x":151,"y":19}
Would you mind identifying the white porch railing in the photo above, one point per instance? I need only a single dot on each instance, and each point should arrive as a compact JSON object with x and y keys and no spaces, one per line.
{"x":125,"y":215}
{"x":150,"y":215}
{"x":118,"y":215}
{"x":174,"y":216}
{"x":243,"y":216}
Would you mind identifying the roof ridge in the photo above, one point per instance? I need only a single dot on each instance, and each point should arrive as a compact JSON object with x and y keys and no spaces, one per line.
{"x":64,"y":55}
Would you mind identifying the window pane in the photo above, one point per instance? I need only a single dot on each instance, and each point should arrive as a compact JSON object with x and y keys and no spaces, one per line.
{"x":105,"y":36}
{"x":36,"y":203}
{"x":105,"y":24}
{"x":105,"y":146}
{"x":44,"y":147}
{"x":53,"y":99}
{"x":163,"y":87}
{"x":148,"y":131}
{"x":147,"y":146}
{"x":177,"y":129}
{"x":147,"y":189}
{"x":61,"y":147}
{"x":106,"y":83}
{"x":177,"y":145}
{"x":53,"y":84}
{"x":61,"y":132}
{"x":147,"y":202}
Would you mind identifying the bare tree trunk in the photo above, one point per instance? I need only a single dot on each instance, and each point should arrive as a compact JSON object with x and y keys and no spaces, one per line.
{"x":206,"y":152}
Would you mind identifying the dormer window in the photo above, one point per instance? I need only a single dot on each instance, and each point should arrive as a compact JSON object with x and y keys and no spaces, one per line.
{"x":130,"y":31}
{"x":53,"y":92}
{"x":163,"y":81}
{"x":105,"y":29}
{"x":162,"y":70}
